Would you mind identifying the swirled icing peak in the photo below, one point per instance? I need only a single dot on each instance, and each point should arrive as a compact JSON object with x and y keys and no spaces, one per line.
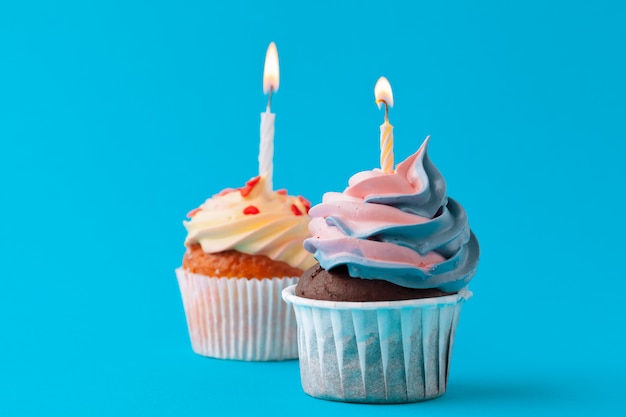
{"x":255,"y":221}
{"x":399,"y":227}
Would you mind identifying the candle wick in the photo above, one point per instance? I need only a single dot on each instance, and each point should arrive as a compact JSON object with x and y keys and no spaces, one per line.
{"x":386,"y":109}
{"x":269,"y":99}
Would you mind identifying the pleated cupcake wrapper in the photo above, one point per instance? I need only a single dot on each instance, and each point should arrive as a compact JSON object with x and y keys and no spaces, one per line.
{"x":238,"y":318}
{"x":376,"y":352}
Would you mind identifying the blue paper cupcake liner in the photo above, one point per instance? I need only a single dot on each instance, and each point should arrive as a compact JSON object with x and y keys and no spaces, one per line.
{"x":376,"y":352}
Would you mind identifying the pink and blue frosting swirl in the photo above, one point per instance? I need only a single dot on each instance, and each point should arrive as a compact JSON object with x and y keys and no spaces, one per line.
{"x":399,"y":227}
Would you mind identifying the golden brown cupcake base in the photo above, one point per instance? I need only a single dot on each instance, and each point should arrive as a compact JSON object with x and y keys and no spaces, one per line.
{"x":235,"y":264}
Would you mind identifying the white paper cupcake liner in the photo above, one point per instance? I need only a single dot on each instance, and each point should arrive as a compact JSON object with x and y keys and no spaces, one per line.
{"x":376,"y":352}
{"x":238,"y":318}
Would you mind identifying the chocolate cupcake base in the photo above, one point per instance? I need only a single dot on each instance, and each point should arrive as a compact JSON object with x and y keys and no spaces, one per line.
{"x":337,"y":285}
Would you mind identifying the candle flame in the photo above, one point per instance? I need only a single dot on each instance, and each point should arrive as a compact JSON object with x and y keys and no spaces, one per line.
{"x":271,"y":72}
{"x":383,"y":92}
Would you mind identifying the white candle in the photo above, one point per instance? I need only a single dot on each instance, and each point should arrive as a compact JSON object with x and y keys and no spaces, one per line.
{"x":271,"y":78}
{"x":384,"y":95}
{"x":266,"y":151}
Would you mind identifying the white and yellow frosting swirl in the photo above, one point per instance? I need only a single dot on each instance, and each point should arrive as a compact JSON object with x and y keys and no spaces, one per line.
{"x":255,"y":221}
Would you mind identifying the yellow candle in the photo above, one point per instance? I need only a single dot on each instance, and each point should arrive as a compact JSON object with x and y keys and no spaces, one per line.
{"x":384,"y":95}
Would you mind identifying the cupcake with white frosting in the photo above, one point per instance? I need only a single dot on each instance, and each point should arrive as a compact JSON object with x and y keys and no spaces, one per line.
{"x":243,"y":247}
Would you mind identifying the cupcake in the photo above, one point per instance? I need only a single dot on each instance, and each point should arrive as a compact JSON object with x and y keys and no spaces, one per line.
{"x":378,"y":313}
{"x":243,"y":247}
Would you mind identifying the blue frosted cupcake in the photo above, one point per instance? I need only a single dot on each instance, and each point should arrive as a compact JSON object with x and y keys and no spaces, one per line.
{"x":377,"y":316}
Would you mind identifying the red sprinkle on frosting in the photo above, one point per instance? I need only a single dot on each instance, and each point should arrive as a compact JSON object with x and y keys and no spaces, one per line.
{"x":306,"y":203}
{"x":296,"y":210}
{"x":193,"y":212}
{"x":281,"y":192}
{"x":251,"y":210}
{"x":249,"y":186}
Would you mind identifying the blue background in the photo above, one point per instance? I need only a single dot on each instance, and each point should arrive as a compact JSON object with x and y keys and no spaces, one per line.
{"x":118,"y":117}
